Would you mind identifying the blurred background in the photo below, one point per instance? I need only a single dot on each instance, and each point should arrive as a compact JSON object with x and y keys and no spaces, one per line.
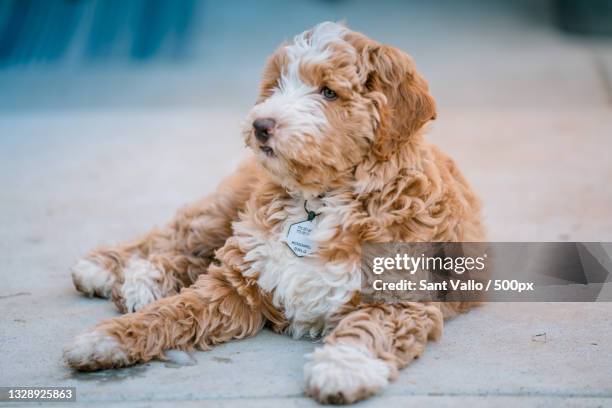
{"x":83,"y":54}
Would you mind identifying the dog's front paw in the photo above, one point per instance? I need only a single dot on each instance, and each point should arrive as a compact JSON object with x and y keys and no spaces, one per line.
{"x":343,"y":374}
{"x":143,"y":284}
{"x":95,"y":350}
{"x":92,"y":278}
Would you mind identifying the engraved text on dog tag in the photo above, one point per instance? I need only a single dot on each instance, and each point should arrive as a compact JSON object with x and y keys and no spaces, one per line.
{"x":298,"y":238}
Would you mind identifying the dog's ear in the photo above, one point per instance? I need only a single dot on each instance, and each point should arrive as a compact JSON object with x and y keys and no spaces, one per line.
{"x":272,"y":72}
{"x":407,"y":104}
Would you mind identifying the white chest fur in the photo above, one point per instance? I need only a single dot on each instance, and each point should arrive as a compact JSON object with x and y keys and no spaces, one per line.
{"x":308,"y":288}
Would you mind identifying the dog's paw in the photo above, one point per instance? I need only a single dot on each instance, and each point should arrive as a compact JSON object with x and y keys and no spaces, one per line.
{"x":142,"y":285}
{"x":95,"y":350}
{"x":92,"y":279}
{"x":343,"y":374}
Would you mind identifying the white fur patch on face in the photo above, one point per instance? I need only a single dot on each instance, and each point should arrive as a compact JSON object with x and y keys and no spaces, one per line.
{"x":344,"y":373}
{"x":95,"y":350}
{"x":142,"y":284}
{"x":295,"y":105}
{"x":92,"y":279}
{"x":312,"y":45}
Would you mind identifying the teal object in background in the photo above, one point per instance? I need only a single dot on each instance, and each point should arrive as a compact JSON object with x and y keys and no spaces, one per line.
{"x":39,"y":30}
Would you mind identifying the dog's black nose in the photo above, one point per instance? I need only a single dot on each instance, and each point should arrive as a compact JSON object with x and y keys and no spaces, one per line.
{"x":264,"y":128}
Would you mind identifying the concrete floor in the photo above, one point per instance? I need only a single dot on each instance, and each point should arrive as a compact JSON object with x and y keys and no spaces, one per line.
{"x":530,"y":128}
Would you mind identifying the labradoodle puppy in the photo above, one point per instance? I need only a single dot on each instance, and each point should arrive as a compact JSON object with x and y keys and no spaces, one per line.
{"x":339,"y":158}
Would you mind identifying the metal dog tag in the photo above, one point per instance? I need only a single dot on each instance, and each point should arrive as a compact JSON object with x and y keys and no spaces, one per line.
{"x":298,"y":238}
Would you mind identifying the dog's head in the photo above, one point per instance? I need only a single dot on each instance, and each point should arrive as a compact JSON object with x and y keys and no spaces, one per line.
{"x":329,"y":100}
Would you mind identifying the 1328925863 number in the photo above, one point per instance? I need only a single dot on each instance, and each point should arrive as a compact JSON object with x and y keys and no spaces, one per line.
{"x":37,"y":394}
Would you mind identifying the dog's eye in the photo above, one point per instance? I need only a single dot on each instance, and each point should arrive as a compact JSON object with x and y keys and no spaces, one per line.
{"x":329,"y":94}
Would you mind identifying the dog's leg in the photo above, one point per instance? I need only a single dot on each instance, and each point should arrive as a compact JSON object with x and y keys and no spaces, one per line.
{"x":222,"y":305}
{"x":165,"y":260}
{"x":367,"y":348}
